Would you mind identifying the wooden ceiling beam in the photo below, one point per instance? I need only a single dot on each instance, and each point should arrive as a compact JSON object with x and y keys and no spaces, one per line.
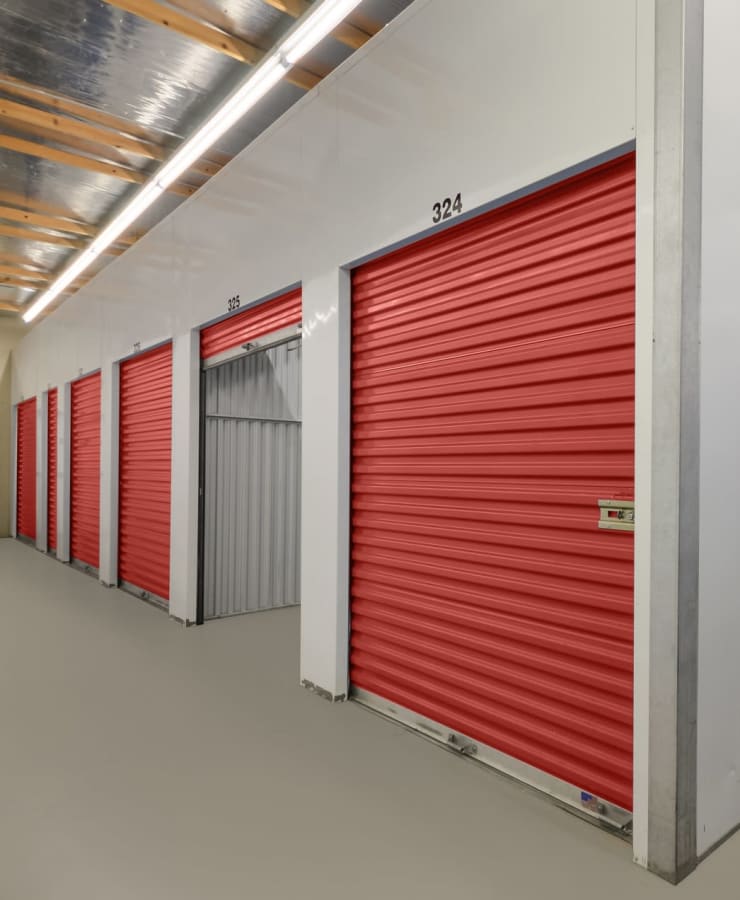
{"x":209,"y":36}
{"x":27,"y":234}
{"x":9,"y":307}
{"x":42,"y":221}
{"x":20,"y":272}
{"x":11,"y":281}
{"x":42,"y":237}
{"x":31,"y":148}
{"x":113,"y":127}
{"x":32,"y":203}
{"x":65,"y":126}
{"x":19,"y":88}
{"x":80,"y":136}
{"x":346,"y":33}
{"x":18,"y":259}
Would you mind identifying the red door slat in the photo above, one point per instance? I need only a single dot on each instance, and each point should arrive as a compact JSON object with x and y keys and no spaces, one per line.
{"x":51,"y":475}
{"x":251,"y":323}
{"x":145,"y":453}
{"x":84,"y":513}
{"x":492,"y":407}
{"x":26,"y":469}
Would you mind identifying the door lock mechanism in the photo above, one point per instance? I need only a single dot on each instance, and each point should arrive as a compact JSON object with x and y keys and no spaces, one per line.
{"x":617,"y":515}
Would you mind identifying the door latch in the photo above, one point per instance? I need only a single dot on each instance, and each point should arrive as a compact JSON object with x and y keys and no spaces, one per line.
{"x":617,"y":515}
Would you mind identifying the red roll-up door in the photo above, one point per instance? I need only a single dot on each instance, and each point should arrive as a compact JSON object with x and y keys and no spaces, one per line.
{"x":85,"y":471}
{"x":51,"y":474}
{"x":251,"y":323}
{"x":26,"y":469}
{"x":493,"y":407}
{"x":145,"y":465}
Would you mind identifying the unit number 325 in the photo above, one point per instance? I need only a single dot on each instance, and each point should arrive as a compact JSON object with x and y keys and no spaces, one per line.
{"x":446,"y":208}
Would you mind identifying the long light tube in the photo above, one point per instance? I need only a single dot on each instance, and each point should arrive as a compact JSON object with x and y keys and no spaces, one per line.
{"x":301,"y":39}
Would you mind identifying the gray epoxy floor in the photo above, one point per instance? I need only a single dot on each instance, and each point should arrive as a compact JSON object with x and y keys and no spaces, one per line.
{"x":146,"y":761}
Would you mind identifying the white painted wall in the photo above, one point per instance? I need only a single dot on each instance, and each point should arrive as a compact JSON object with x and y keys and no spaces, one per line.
{"x":11,"y":331}
{"x":483,"y":97}
{"x":719,"y":564}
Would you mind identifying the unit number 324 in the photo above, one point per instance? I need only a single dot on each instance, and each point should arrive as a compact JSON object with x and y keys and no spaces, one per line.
{"x":446,"y":208}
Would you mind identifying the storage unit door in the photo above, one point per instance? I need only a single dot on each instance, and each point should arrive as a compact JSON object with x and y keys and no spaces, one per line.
{"x":250,"y":324}
{"x":26,"y":469}
{"x":51,"y":471}
{"x":145,"y":472}
{"x":493,"y":408}
{"x":85,"y":471}
{"x":252,"y":482}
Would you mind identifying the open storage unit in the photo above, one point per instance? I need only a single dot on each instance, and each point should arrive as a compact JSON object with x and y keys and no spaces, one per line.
{"x":250,"y":459}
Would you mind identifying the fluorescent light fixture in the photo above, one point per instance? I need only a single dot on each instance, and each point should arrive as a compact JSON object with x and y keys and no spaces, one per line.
{"x":315,"y":28}
{"x":312,"y":28}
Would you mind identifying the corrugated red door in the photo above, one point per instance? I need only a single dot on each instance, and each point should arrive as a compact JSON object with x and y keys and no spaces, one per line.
{"x":26,"y":469}
{"x":251,"y":323}
{"x":51,"y":472}
{"x":145,"y":466}
{"x":493,"y":407}
{"x":85,"y":471}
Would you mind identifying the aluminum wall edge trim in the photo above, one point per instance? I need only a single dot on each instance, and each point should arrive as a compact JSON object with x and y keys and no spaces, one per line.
{"x":671,"y":826}
{"x":41,"y":471}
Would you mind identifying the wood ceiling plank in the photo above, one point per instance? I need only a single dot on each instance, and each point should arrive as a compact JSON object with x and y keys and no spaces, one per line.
{"x":31,"y":148}
{"x":19,"y":88}
{"x":209,"y":36}
{"x":27,"y":234}
{"x":20,"y":272}
{"x":42,"y":221}
{"x":11,"y":281}
{"x":65,"y":126}
{"x":116,"y":125}
{"x":25,"y":202}
{"x":18,"y":259}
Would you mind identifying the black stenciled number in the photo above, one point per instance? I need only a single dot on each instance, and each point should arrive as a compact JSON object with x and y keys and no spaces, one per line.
{"x":234,"y":303}
{"x":446,"y":208}
{"x":137,"y":346}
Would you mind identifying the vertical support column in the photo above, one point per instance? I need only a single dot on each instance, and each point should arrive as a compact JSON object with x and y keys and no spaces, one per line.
{"x":109,"y":380}
{"x":185,"y":456}
{"x":325,"y":485}
{"x":64,"y":445}
{"x":42,"y":432}
{"x":669,"y":122}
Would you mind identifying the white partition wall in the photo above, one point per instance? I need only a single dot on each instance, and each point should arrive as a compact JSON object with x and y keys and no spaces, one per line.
{"x":719,"y":569}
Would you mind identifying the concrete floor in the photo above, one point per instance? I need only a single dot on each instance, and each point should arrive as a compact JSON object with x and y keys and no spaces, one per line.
{"x":143,"y":761}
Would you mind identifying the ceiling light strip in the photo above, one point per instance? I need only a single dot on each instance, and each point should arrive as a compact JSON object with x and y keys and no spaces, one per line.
{"x":303,"y":37}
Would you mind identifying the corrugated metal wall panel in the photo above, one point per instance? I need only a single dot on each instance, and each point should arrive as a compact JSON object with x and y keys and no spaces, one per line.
{"x":51,"y":472}
{"x":493,"y":406}
{"x":145,"y":471}
{"x":85,"y":471}
{"x":251,"y":323}
{"x":251,"y":523}
{"x":26,"y":469}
